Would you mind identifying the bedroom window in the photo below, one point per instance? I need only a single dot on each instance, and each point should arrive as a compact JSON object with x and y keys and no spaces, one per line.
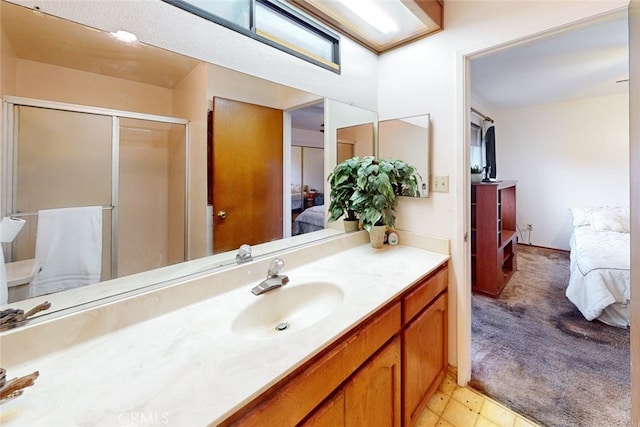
{"x":272,"y":23}
{"x":476,"y":150}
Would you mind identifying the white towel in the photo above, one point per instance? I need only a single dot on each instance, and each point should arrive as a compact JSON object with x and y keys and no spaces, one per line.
{"x":68,"y":249}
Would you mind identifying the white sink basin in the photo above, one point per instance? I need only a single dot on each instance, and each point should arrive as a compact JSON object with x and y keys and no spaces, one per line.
{"x":287,"y":309}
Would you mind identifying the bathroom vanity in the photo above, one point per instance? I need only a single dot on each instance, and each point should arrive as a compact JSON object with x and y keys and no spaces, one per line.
{"x":385,"y":368}
{"x":366,"y":336}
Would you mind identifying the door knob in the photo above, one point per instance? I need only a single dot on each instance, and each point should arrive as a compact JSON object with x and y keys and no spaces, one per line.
{"x":222,"y":214}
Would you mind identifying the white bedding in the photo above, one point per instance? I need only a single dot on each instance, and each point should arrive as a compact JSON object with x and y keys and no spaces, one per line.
{"x":599,"y":284}
{"x":296,"y":196}
{"x":296,"y":201}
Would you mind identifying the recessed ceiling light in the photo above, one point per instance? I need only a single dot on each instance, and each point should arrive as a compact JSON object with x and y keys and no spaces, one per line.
{"x":125,"y":36}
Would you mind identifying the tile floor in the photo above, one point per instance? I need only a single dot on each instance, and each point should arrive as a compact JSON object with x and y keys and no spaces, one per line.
{"x":454,"y":406}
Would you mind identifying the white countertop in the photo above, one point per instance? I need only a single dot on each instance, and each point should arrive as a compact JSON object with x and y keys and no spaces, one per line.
{"x":187,"y":367}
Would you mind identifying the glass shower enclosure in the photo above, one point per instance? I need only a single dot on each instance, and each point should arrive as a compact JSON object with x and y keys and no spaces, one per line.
{"x":132,"y":165}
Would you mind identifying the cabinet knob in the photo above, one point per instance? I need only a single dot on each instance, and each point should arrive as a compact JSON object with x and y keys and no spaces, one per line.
{"x":222,"y":214}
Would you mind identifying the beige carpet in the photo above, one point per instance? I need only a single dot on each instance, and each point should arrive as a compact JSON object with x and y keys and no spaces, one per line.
{"x":534,"y":352}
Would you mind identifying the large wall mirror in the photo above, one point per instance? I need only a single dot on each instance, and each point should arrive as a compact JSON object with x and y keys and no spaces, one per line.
{"x":152,"y":106}
{"x":407,"y":139}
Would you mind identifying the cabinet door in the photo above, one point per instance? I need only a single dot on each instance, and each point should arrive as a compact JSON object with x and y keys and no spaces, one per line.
{"x":372,"y":395}
{"x":424,"y":360}
{"x":329,"y":414}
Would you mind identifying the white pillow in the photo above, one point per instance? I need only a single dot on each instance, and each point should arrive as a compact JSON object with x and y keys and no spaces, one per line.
{"x":610,"y":221}
{"x":583,"y":215}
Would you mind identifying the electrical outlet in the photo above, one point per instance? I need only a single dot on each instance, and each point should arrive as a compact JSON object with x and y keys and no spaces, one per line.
{"x":440,"y":183}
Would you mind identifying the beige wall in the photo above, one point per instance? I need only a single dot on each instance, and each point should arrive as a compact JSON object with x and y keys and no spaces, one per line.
{"x":360,"y":136}
{"x":190,"y":101}
{"x":53,"y":83}
{"x":8,"y":68}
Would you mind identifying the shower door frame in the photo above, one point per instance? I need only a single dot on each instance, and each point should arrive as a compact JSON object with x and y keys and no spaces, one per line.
{"x":9,"y":127}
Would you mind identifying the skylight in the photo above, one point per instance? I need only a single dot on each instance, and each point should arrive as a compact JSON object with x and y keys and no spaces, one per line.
{"x":378,"y":24}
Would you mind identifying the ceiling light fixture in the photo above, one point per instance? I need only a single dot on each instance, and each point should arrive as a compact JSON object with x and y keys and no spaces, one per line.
{"x":379,"y":25}
{"x":125,"y":36}
{"x":374,"y":15}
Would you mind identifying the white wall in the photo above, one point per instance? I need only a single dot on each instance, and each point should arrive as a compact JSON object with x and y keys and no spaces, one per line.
{"x":634,"y":132}
{"x":313,"y":168}
{"x":564,"y":154}
{"x":430,"y":76}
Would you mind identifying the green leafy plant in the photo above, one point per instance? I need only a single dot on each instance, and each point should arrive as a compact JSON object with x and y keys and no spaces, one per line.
{"x":405,"y":179}
{"x":379,"y":183}
{"x":343,"y":182}
{"x":476,"y":169}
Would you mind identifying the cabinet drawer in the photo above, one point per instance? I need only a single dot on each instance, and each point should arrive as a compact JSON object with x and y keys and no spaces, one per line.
{"x":424,"y":293}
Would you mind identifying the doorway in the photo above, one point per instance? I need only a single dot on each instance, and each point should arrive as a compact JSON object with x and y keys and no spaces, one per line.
{"x":530,"y":187}
{"x":305,"y":196}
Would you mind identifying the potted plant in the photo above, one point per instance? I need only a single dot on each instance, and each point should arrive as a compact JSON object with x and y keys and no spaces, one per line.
{"x":476,"y":173}
{"x":406,"y":179}
{"x":343,"y":182}
{"x":379,"y":183}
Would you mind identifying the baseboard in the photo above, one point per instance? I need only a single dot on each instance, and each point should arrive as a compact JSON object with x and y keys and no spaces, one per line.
{"x":543,"y":247}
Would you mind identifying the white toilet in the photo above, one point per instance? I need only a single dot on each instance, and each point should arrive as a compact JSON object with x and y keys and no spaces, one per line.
{"x":19,"y":275}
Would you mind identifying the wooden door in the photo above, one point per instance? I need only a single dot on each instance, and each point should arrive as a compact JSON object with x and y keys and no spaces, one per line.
{"x":247,"y":150}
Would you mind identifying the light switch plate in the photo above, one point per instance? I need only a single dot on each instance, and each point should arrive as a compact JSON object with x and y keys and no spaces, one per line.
{"x":440,"y":183}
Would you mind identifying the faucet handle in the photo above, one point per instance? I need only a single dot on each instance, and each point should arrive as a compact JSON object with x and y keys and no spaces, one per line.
{"x":244,"y":254}
{"x":274,"y":267}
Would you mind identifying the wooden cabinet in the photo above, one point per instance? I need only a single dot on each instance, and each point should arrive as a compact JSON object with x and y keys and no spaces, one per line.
{"x":390,"y":364}
{"x":332,"y":413}
{"x":371,"y":397}
{"x":424,"y":346}
{"x":290,"y":401}
{"x":493,"y":236}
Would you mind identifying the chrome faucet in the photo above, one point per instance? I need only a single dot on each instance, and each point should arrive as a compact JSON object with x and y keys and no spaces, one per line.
{"x":244,"y":254}
{"x":274,"y":278}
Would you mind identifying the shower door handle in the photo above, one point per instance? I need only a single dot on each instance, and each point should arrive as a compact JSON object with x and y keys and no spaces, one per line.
{"x":222,"y":214}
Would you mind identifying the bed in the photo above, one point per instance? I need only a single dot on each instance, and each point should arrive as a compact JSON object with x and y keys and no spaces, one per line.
{"x":309,"y":220}
{"x":599,"y":283}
